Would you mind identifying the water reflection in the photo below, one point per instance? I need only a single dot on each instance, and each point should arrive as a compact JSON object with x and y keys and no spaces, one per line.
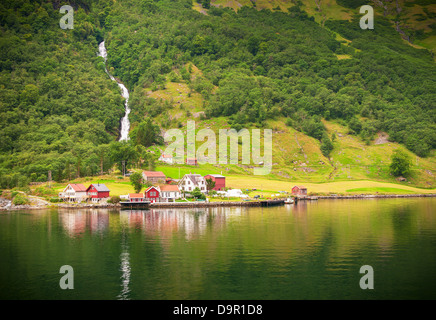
{"x":125,"y":259}
{"x":76,"y":222}
{"x":192,"y":223}
{"x":308,"y":250}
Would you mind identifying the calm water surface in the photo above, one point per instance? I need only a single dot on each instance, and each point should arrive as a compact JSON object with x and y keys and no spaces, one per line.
{"x":313,"y":250}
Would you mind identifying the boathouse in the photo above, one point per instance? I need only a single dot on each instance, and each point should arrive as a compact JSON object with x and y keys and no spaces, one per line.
{"x":136,"y":197}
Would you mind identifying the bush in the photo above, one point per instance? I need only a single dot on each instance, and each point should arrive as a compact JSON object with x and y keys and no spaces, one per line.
{"x":19,"y":199}
{"x":401,"y":163}
{"x":114,"y":199}
{"x":55,"y":200}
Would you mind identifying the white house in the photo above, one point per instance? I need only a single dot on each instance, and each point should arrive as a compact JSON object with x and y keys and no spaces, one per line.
{"x":169,"y":192}
{"x":74,"y":193}
{"x":191,"y":181}
{"x":166,"y":158}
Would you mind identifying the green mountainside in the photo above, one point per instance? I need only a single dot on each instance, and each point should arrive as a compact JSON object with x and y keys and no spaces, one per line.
{"x":339,"y":99}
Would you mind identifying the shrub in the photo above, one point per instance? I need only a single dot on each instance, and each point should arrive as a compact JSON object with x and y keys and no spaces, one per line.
{"x":19,"y":199}
{"x":114,"y":199}
{"x":401,"y":163}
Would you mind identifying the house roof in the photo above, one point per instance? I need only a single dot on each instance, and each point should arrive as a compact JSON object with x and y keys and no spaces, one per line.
{"x":169,"y":187}
{"x":136,"y":195}
{"x":191,"y":159}
{"x":300,"y":187}
{"x":153,"y":174}
{"x":215,"y":175}
{"x":193,"y":177}
{"x":100,"y":187}
{"x":152,"y":187}
{"x":166,"y":156}
{"x":78,"y":187}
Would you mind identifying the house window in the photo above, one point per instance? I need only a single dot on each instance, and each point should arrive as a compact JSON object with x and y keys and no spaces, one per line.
{"x":189,"y":188}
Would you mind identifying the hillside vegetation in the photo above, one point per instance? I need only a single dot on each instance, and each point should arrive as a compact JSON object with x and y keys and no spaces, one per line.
{"x":328,"y":89}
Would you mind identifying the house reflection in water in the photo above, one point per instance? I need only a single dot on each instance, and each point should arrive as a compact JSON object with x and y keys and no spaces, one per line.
{"x":165,"y":222}
{"x":76,"y":222}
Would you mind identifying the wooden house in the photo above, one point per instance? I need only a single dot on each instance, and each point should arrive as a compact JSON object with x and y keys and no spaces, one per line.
{"x":167,"y":158}
{"x":220,"y":181}
{"x":74,"y":193}
{"x":192,"y":161}
{"x":191,"y":181}
{"x":136,"y":197}
{"x":299,"y":191}
{"x":169,"y":193}
{"x":154,"y":177}
{"x":152,"y":194}
{"x":97,"y":191}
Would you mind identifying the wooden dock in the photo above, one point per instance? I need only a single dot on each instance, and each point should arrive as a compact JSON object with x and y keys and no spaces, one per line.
{"x":270,"y":203}
{"x":135,"y":205}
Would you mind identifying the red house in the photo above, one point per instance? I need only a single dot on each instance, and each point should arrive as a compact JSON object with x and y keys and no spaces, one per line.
{"x":192,"y":161}
{"x":136,"y":197}
{"x":220,"y":181}
{"x":299,"y":191}
{"x":97,"y":191}
{"x":152,"y":194}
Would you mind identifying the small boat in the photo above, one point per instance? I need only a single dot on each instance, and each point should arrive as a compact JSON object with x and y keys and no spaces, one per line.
{"x":289,"y":201}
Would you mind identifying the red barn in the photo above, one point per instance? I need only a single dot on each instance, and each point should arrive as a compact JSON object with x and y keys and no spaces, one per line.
{"x":152,"y":194}
{"x":220,"y":181}
{"x":97,"y":191}
{"x":299,"y":191}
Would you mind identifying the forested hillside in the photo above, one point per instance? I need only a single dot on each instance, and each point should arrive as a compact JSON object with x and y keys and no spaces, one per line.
{"x":268,"y":64}
{"x":58,"y":109}
{"x":60,"y":112}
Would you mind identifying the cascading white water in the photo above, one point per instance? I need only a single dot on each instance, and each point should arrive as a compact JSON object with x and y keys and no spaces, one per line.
{"x":125,"y":123}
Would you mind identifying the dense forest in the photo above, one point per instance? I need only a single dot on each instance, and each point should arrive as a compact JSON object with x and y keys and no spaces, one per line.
{"x":60,"y":112}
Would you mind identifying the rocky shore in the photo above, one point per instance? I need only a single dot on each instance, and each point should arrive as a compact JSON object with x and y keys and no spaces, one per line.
{"x":6,"y":205}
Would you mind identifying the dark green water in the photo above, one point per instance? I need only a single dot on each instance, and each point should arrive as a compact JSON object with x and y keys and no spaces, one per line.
{"x":310,"y":251}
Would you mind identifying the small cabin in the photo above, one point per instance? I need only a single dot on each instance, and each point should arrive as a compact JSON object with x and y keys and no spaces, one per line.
{"x":299,"y":191}
{"x":136,"y":197}
{"x":191,"y":161}
{"x":167,"y":158}
{"x":154,"y":177}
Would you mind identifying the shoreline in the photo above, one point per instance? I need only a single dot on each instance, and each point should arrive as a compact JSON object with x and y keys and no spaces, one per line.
{"x":255,"y":203}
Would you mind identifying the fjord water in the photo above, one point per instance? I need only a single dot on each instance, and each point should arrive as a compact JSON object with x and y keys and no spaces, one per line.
{"x":313,"y":250}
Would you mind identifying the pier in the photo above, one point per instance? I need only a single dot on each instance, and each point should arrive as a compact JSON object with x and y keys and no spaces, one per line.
{"x":135,"y":204}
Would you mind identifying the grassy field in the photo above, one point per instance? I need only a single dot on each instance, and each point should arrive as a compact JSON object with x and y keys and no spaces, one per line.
{"x":265,"y":186}
{"x":342,"y":187}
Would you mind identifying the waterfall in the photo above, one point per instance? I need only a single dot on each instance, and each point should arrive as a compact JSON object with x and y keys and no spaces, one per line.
{"x":125,"y":124}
